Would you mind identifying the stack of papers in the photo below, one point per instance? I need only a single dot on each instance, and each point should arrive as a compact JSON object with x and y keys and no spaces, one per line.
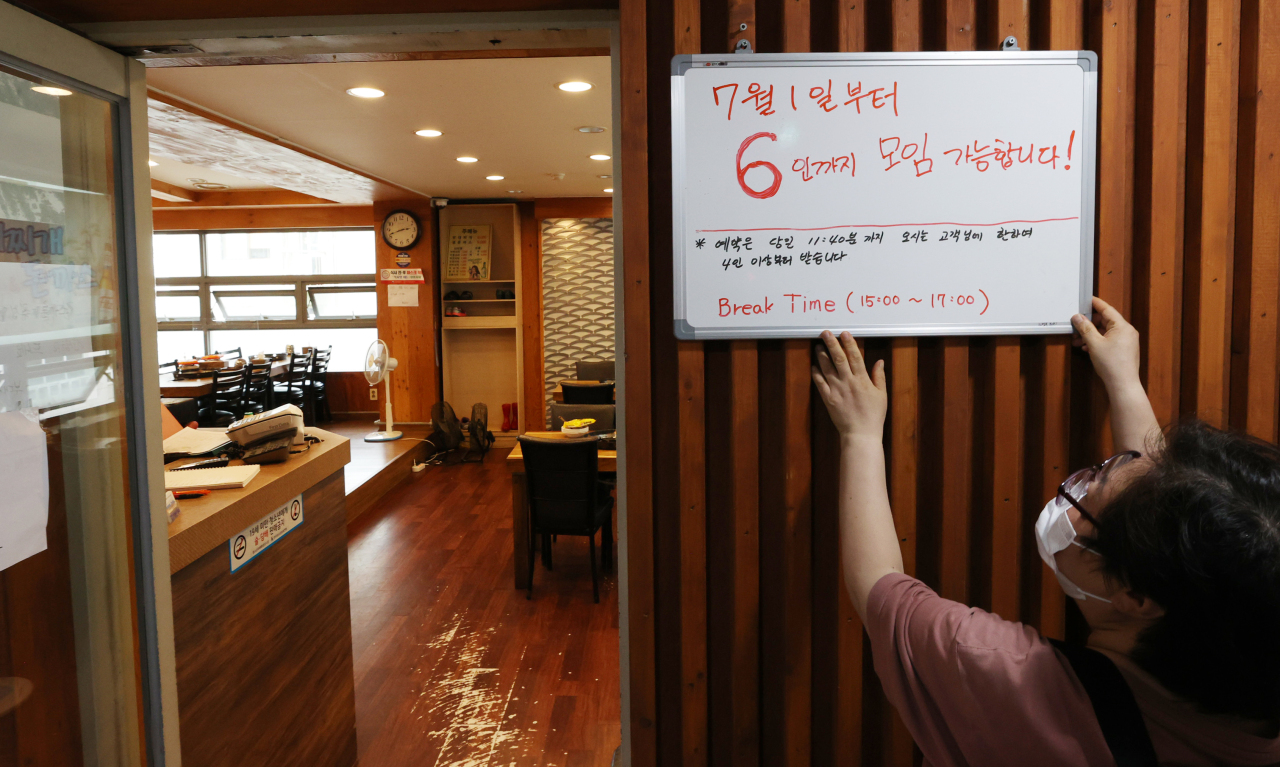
{"x":195,"y":441}
{"x":222,"y":478}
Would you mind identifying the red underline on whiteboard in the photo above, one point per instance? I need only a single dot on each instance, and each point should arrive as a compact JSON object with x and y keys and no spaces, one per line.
{"x":888,"y":226}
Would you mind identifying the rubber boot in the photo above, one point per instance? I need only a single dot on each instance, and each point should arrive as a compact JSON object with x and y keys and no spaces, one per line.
{"x":515,"y":416}
{"x":506,"y":417}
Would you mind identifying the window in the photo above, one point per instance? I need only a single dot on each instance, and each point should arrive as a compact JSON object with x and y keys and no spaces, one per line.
{"x":260,"y":291}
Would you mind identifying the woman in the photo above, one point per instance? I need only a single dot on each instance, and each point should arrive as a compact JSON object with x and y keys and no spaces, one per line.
{"x":1171,"y":549}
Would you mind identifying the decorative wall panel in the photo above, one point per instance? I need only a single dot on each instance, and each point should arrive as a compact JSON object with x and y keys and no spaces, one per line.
{"x":577,"y":296}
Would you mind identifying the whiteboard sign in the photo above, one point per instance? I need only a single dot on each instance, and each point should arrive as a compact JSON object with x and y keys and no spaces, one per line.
{"x":883,"y":194}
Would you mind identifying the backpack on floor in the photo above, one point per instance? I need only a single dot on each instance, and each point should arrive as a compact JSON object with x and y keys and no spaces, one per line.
{"x":478,"y":431}
{"x":446,"y":432}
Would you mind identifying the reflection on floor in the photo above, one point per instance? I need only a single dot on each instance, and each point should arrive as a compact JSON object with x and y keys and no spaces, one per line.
{"x":455,"y":667}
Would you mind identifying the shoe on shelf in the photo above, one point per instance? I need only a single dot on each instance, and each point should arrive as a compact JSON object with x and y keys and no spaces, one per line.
{"x":451,"y":296}
{"x":465,"y":296}
{"x":515,"y":416}
{"x":506,"y":417}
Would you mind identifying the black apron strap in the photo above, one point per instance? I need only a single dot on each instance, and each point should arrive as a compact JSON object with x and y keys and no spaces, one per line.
{"x":1113,"y":704}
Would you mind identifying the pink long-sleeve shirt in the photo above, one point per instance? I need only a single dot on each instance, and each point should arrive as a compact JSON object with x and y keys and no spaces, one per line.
{"x":978,"y":690}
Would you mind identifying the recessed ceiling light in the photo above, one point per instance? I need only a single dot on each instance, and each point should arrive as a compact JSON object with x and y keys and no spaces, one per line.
{"x":365,"y":93}
{"x":467,"y":159}
{"x":196,"y":181}
{"x":49,"y":90}
{"x":575,"y":86}
{"x":207,"y":186}
{"x":591,"y":129}
{"x":604,"y":175}
{"x":428,"y":132}
{"x":152,"y":163}
{"x":600,"y":157}
{"x":609,"y":190}
{"x":493,"y":178}
{"x":515,"y":191}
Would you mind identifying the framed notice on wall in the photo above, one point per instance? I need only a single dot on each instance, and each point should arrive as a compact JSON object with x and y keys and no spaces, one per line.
{"x":467,"y":257}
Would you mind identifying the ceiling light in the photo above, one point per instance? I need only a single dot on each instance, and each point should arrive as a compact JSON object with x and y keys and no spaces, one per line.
{"x":591,"y":129}
{"x":210,"y":187}
{"x":49,"y":90}
{"x":467,"y":159}
{"x":575,"y":86}
{"x":196,"y":181}
{"x":365,"y":93}
{"x":493,"y":178}
{"x":600,"y":157}
{"x":428,"y":132}
{"x":152,"y":163}
{"x":609,"y":190}
{"x":515,"y":191}
{"x":604,"y":175}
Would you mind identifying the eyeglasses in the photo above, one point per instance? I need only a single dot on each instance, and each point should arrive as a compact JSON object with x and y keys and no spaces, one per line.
{"x":1077,"y":485}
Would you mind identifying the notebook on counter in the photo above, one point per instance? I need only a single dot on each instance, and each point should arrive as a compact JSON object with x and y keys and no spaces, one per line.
{"x":195,"y":441}
{"x":222,"y":478}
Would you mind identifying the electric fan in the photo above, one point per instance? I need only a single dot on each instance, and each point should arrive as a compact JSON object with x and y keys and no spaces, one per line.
{"x":377,"y":368}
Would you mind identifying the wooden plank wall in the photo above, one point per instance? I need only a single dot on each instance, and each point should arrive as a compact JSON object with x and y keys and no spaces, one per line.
{"x":744,"y":648}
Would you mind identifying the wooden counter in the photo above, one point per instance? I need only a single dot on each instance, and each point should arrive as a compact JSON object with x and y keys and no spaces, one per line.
{"x":264,"y":662}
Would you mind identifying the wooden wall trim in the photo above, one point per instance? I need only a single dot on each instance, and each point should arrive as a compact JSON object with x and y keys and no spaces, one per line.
{"x":173,"y":219}
{"x":535,"y":398}
{"x":574,"y":207}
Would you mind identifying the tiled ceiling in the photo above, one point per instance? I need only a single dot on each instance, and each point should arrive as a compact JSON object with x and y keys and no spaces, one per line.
{"x":508,"y":113}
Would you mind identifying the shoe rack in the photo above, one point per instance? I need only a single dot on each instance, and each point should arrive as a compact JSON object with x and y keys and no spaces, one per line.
{"x":481,"y":358}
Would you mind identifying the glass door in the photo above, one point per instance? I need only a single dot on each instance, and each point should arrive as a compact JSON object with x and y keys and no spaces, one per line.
{"x":74,"y":580}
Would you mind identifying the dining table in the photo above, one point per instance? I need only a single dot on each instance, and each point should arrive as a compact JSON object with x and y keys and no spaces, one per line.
{"x":557,"y":393}
{"x":608,"y":463}
{"x":203,"y":386}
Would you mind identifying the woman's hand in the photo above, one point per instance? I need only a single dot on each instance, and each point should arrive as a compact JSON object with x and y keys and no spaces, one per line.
{"x":856,"y":401}
{"x":1113,"y":349}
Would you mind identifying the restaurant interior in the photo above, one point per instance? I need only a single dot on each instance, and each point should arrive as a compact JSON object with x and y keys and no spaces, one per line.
{"x":408,"y":258}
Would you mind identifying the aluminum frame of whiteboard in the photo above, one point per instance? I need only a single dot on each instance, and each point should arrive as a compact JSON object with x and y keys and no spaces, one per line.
{"x":1086,"y":60}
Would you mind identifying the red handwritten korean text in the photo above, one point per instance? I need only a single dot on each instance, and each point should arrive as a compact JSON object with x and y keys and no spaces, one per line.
{"x":918,"y":154}
{"x":824,"y":96}
{"x":812,"y":167}
{"x":1006,"y":154}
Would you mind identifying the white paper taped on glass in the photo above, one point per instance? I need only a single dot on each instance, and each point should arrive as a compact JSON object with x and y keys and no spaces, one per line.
{"x":882,"y":193}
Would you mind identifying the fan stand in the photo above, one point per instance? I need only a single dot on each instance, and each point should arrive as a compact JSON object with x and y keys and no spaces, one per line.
{"x":390,"y":434}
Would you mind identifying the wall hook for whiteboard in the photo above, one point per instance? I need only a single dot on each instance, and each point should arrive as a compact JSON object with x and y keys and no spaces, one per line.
{"x":743,"y":46}
{"x":1010,"y":44}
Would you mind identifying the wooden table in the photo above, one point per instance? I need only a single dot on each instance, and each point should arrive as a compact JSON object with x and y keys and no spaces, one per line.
{"x":202,"y":387}
{"x":520,"y":501}
{"x":558,"y":393}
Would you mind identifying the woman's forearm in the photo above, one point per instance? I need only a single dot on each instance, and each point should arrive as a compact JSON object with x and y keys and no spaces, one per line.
{"x":1133,"y":422}
{"x":868,"y":542}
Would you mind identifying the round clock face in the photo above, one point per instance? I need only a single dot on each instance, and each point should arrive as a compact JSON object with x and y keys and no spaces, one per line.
{"x":400,"y":230}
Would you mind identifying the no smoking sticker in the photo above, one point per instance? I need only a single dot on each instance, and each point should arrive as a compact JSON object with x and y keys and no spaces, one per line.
{"x":261,"y":535}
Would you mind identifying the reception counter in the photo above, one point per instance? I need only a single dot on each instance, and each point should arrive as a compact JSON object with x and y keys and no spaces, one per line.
{"x":263,"y":652}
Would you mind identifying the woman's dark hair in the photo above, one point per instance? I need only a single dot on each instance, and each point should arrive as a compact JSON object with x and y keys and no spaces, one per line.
{"x":1200,"y":534}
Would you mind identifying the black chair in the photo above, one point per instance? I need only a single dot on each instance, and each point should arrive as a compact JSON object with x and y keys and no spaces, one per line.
{"x":605,"y":415}
{"x":319,"y":392}
{"x":226,"y":401}
{"x":258,"y":389}
{"x":295,"y":387}
{"x":578,"y":393}
{"x":595,"y":371}
{"x":168,"y":368}
{"x":231,"y":354}
{"x":566,"y":497}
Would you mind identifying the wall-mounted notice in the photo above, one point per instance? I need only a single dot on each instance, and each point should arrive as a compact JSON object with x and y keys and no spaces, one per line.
{"x":884,"y":194}
{"x":24,"y":474}
{"x":46,"y":355}
{"x":467,"y":257}
{"x":402,"y":295}
{"x":264,"y":533}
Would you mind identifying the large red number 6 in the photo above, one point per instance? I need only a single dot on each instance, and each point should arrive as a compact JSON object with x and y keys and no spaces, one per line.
{"x":742,"y":172}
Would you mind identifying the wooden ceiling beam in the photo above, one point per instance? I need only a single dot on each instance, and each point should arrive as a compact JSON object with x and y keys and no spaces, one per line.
{"x":252,"y":198}
{"x":330,"y":58}
{"x":170,"y":193}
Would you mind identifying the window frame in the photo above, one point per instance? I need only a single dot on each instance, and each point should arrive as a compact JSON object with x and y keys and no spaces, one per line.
{"x":301,"y":290}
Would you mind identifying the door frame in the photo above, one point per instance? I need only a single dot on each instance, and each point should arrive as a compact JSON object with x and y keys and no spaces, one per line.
{"x":37,"y":47}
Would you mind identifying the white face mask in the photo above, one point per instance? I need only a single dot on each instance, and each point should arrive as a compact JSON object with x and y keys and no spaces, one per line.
{"x":1055,"y":533}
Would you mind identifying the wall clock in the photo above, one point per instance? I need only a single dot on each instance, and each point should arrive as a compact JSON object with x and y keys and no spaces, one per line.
{"x":401,"y":230}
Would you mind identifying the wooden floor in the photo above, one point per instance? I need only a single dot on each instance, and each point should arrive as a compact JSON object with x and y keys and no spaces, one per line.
{"x":455,"y":667}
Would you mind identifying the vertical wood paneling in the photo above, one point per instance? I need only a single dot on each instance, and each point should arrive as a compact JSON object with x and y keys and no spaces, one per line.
{"x":1211,"y":235}
{"x":637,"y":448}
{"x":1006,"y":398}
{"x":745,"y":464}
{"x":1257,"y":247}
{"x":535,"y":400}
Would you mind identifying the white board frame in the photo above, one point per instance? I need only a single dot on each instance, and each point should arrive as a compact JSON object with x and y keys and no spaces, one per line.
{"x":1086,"y":60}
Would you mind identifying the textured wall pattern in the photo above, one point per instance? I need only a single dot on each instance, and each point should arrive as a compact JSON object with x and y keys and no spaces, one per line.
{"x":577,"y":295}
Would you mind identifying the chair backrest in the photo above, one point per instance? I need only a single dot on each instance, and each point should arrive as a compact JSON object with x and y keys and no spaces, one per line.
{"x":259,"y":382}
{"x":587,"y":394}
{"x":298,"y":374}
{"x":562,"y":483}
{"x":167,"y":368}
{"x":228,"y":390}
{"x":320,"y":364}
{"x":592,"y":370}
{"x":231,"y":354}
{"x":605,"y":415}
